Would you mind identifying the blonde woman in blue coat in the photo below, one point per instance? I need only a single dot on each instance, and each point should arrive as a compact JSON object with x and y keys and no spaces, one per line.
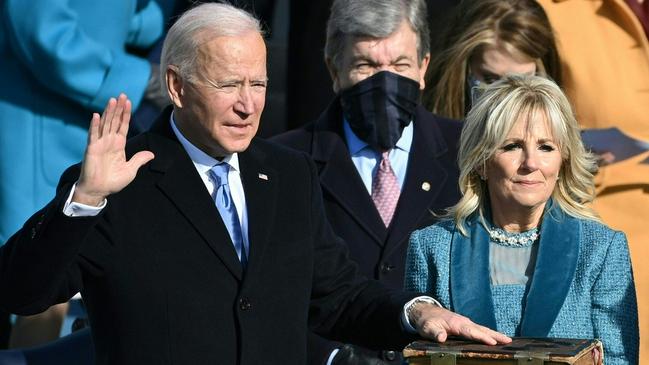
{"x":60,"y":60}
{"x":522,"y":252}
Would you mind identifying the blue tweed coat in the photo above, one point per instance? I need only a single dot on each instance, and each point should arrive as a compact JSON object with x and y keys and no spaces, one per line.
{"x":582,"y":286}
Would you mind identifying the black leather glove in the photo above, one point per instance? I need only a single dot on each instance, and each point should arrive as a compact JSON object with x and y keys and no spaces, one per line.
{"x":353,"y":355}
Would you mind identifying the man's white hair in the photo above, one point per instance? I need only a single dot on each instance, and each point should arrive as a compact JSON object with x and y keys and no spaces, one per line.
{"x":196,"y":26}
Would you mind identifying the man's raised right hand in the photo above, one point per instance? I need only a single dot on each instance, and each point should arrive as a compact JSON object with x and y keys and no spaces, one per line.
{"x":104,"y":169}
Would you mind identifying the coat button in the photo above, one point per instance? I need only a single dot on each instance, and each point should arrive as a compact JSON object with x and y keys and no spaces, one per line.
{"x":244,"y":304}
{"x":389,"y":355}
{"x":386,"y":268}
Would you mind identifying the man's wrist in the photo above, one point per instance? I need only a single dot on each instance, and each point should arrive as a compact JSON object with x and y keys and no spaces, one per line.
{"x":80,"y":197}
{"x":75,"y":209}
{"x":410,"y":308}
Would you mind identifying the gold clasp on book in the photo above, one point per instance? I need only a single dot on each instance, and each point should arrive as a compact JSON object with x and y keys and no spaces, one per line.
{"x":443,"y":358}
{"x":531,"y":358}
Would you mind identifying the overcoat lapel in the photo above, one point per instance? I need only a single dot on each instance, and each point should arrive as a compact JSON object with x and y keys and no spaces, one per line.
{"x":182,"y":185}
{"x":554,"y":272}
{"x":470,"y":285}
{"x":260,"y":183}
{"x":338,"y":175}
{"x":425,"y":179}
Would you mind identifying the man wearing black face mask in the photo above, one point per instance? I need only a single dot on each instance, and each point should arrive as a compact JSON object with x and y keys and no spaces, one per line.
{"x":384,"y":162}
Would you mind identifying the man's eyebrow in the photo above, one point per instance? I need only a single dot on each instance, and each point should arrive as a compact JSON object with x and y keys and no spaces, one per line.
{"x":364,"y":58}
{"x":234,"y":81}
{"x":229,"y":81}
{"x":401,"y":58}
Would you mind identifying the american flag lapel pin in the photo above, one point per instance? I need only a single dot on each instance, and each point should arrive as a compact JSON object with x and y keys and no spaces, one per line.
{"x":262,"y":176}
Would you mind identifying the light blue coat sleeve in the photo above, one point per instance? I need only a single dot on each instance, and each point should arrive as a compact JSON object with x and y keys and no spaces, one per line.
{"x":417,"y":275}
{"x":615,"y":312}
{"x":47,"y":37}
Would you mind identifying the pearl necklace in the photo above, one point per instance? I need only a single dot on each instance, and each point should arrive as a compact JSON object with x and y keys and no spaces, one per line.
{"x":523,"y":239}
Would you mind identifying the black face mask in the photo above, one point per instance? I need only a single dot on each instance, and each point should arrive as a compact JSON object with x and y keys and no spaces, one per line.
{"x":379,"y":107}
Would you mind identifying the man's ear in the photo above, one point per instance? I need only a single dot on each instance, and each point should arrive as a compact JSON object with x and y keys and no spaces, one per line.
{"x":174,"y":86}
{"x":333,"y":72}
{"x":423,"y":66}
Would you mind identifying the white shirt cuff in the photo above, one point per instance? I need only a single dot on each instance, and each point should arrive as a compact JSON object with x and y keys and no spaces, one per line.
{"x":72,"y":209}
{"x":404,"y":314}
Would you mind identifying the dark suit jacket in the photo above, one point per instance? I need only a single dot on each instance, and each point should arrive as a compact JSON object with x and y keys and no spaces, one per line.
{"x":161,"y":279}
{"x":431,"y":184}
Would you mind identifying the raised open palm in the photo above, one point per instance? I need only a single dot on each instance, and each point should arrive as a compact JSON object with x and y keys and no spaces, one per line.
{"x":104,"y":169}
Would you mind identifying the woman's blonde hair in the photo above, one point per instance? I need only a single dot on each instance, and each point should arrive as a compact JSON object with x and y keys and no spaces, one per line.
{"x":500,"y":106}
{"x":520,"y":26}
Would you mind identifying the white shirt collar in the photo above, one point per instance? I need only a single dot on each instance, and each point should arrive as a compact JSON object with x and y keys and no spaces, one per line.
{"x":201,"y":160}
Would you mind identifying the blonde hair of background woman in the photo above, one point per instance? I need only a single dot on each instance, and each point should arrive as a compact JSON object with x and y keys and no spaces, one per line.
{"x":520,"y":26}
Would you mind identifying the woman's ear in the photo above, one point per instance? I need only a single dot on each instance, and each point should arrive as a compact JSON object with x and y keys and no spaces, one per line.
{"x":481,"y":171}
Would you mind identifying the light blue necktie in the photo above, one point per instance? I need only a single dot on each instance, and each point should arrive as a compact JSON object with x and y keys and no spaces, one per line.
{"x":227,"y":209}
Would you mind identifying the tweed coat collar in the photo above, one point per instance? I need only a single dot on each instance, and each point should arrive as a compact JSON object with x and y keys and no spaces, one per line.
{"x":554,"y":272}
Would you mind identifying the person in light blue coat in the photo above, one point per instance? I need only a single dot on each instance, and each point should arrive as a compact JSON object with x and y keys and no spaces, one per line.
{"x":59,"y":61}
{"x":522,"y":252}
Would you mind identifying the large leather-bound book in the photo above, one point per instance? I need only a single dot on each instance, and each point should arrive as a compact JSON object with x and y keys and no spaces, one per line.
{"x":522,"y":350}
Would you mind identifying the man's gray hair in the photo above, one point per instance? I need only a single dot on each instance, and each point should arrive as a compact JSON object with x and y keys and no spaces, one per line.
{"x":375,"y":19}
{"x":199,"y":25}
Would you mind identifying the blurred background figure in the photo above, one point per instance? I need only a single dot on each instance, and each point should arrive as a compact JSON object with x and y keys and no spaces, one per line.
{"x":61,"y":60}
{"x":484,"y":40}
{"x":605,"y":60}
{"x":523,"y":252}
